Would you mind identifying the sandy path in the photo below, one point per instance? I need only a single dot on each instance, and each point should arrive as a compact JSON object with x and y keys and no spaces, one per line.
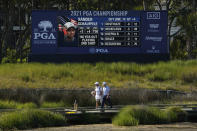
{"x":186,"y":126}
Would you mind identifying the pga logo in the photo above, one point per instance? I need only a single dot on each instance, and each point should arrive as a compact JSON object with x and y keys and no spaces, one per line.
{"x":98,"y":50}
{"x":153,"y":15}
{"x":45,"y":25}
{"x":44,"y":34}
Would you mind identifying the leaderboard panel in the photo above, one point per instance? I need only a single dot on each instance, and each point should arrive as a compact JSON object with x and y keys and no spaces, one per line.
{"x":113,"y":32}
{"x":123,"y":33}
{"x":99,"y":29}
{"x":99,"y":32}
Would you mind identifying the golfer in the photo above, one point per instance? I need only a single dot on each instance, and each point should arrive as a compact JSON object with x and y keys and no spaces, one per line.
{"x":97,"y":93}
{"x":106,"y":95}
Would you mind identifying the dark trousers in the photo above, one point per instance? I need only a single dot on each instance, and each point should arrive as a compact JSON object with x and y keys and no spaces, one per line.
{"x":105,"y":101}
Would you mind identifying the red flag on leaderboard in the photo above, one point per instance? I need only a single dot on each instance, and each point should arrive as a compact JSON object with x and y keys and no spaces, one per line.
{"x":61,"y":28}
{"x":74,"y":22}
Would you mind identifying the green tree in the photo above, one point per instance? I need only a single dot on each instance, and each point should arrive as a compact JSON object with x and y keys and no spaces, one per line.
{"x":13,"y":12}
{"x":181,"y":14}
{"x":17,"y":13}
{"x":188,"y":24}
{"x":178,"y":48}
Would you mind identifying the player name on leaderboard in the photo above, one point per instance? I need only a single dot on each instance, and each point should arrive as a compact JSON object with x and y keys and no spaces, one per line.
{"x":120,"y":34}
{"x":113,"y":34}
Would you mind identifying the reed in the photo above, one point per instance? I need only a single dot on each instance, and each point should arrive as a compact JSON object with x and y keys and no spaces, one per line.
{"x":83,"y":75}
{"x":31,"y":118}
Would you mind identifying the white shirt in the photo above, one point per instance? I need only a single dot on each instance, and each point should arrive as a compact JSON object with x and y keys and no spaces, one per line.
{"x":98,"y":90}
{"x":106,"y":90}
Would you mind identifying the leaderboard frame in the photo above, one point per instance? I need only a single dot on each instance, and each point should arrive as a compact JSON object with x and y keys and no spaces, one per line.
{"x":60,"y":36}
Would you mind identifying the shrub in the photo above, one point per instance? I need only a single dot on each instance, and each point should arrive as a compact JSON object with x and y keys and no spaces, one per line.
{"x":175,"y":114}
{"x":134,"y":115}
{"x":149,"y":115}
{"x":125,"y":118}
{"x":122,"y":120}
{"x":30,"y":119}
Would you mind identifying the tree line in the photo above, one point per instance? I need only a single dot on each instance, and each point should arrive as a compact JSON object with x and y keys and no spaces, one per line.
{"x":15,"y":22}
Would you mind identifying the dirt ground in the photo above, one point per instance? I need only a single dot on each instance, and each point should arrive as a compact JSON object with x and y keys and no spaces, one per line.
{"x":185,"y":126}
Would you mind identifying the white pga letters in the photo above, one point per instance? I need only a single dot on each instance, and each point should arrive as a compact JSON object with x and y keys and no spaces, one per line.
{"x":102,"y":51}
{"x":44,"y":36}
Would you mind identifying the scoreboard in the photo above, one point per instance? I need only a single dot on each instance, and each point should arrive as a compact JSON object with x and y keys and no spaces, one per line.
{"x":114,"y":32}
{"x":99,"y":33}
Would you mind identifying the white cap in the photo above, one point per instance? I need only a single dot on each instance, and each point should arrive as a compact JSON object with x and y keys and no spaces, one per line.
{"x":69,"y":25}
{"x":96,"y":83}
{"x":104,"y":83}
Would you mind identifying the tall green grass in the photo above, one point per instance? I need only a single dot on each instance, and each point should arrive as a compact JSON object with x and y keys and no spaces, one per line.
{"x":8,"y":104}
{"x":27,"y":119}
{"x":134,"y":115}
{"x":83,"y":75}
{"x":5,"y":104}
{"x":29,"y":105}
{"x":52,"y":104}
{"x":176,"y":114}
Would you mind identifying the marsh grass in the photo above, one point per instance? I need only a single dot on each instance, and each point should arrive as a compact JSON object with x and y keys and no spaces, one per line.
{"x":83,"y":75}
{"x":134,"y":115}
{"x":5,"y":104}
{"x":25,"y":82}
{"x":29,"y":105}
{"x":125,"y":121}
{"x":8,"y":104}
{"x":176,"y":114}
{"x":65,"y":98}
{"x":51,"y":97}
{"x":30,"y":118}
{"x":52,"y":104}
{"x":190,"y":77}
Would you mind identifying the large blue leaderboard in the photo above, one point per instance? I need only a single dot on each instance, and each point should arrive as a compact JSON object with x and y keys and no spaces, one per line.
{"x":99,"y":32}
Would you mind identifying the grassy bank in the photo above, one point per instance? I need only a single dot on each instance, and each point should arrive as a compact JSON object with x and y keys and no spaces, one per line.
{"x":30,"y":118}
{"x":128,"y":116}
{"x":135,"y":115}
{"x":5,"y":104}
{"x":178,"y":75}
